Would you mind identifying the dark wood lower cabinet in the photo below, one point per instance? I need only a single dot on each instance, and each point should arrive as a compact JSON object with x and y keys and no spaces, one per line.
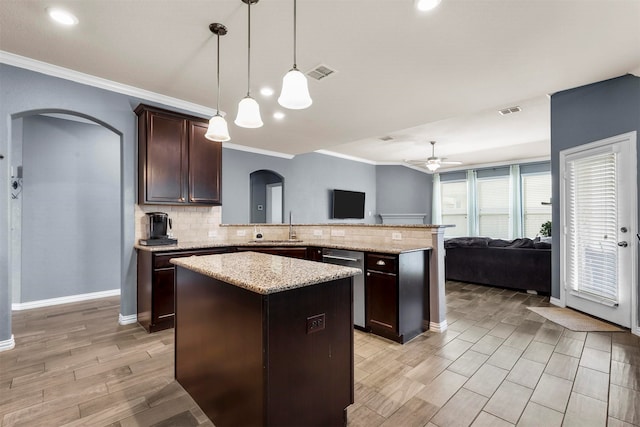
{"x":155,"y":293}
{"x":252,"y":360}
{"x":397,"y":294}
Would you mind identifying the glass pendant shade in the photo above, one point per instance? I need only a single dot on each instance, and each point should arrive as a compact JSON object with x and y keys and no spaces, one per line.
{"x":295,"y":92}
{"x":248,"y":113}
{"x":425,"y":5}
{"x":217,"y":130}
{"x":433,"y":166}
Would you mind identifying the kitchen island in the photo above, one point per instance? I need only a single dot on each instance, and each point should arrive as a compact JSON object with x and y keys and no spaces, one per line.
{"x":265,"y":340}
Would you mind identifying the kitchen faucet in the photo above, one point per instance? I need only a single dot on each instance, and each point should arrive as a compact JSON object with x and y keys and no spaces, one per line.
{"x":292,"y":233}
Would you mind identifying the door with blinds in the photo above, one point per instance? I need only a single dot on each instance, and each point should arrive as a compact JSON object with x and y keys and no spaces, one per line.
{"x":598,"y":214}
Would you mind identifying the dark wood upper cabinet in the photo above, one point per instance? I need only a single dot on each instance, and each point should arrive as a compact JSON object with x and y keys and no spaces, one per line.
{"x":176,"y":164}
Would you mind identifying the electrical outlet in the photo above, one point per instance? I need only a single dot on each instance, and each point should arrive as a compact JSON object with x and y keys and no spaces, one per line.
{"x":396,"y":236}
{"x":213,"y":233}
{"x":315,"y":323}
{"x":317,"y":232}
{"x":241,"y":233}
{"x":337,"y":233}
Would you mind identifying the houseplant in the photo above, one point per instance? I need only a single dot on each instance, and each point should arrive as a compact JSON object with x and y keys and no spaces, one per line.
{"x":545,"y":229}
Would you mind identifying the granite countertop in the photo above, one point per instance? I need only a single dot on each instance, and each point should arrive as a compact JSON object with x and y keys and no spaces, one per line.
{"x":262,"y":273}
{"x":341,"y":243}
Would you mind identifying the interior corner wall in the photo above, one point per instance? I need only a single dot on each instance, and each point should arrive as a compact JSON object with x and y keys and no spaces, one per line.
{"x":583,"y":115}
{"x":402,"y":190}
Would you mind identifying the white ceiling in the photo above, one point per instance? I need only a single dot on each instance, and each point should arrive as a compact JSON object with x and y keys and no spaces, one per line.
{"x":414,"y":76}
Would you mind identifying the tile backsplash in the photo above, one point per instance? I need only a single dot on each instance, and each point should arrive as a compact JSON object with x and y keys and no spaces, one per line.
{"x":189,"y":223}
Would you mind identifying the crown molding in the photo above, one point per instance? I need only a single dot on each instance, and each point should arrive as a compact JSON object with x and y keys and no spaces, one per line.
{"x":100,"y":83}
{"x":346,"y":157}
{"x":237,"y":147}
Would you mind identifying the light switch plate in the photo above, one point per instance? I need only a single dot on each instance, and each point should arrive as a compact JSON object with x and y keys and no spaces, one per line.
{"x":213,"y":233}
{"x":396,"y":236}
{"x":241,"y":233}
{"x":317,"y":232}
{"x":337,"y":233}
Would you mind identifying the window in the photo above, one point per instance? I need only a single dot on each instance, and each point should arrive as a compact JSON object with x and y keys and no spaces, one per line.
{"x":536,"y":189}
{"x":454,"y":207}
{"x":493,"y":207}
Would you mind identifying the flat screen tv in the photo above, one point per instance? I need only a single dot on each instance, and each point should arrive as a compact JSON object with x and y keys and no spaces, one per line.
{"x":348,"y":204}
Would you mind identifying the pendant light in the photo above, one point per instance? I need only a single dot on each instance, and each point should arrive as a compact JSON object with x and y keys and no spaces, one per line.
{"x":248,"y":109}
{"x":295,"y":92}
{"x":218,"y":130}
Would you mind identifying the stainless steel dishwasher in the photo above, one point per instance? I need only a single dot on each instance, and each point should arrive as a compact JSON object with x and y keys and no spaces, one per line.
{"x":356,"y":260}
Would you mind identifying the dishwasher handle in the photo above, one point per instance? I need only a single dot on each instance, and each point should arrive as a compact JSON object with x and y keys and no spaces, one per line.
{"x":340,"y":258}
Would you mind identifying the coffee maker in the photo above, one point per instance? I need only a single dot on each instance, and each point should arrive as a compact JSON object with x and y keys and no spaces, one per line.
{"x":159,"y":225}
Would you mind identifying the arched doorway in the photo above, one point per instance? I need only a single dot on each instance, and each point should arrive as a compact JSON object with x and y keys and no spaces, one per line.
{"x":267,"y":197}
{"x":65,"y":207}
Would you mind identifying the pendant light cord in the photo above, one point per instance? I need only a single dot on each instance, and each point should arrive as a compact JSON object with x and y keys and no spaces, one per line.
{"x":249,"y":49}
{"x":295,"y":66}
{"x":218,"y":102}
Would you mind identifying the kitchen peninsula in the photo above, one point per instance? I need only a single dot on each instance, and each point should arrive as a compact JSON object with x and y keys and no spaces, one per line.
{"x":264,"y":339}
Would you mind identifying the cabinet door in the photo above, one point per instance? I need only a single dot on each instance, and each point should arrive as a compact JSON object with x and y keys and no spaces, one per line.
{"x":165,"y":168}
{"x":382,"y":302}
{"x":163,"y":299}
{"x":205,"y":166}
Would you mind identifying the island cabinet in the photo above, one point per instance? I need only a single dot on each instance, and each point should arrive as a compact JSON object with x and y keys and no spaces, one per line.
{"x":155,"y":292}
{"x":396,"y":288}
{"x":254,"y":349}
{"x":177,"y":165}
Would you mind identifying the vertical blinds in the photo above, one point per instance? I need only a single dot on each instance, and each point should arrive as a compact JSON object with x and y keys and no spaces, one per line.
{"x":592,"y":227}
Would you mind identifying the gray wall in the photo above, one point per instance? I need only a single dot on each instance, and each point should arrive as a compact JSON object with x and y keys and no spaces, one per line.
{"x":401,"y":190}
{"x":586,"y":114}
{"x":308,"y":181}
{"x":70,"y":209}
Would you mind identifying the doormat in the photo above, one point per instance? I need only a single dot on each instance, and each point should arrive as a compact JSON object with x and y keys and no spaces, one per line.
{"x":575,"y":320}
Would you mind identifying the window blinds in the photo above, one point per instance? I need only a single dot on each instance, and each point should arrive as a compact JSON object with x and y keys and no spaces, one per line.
{"x":493,"y":207}
{"x":454,"y":207}
{"x":592,"y":227}
{"x":536,"y":188}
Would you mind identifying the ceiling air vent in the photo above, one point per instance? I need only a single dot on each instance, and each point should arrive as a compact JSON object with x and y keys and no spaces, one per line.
{"x":320,"y":72}
{"x":510,"y":110}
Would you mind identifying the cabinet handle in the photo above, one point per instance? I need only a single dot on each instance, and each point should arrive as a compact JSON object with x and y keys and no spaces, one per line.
{"x":380,"y":262}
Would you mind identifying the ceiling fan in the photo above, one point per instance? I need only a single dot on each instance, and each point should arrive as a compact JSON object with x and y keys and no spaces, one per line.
{"x":432,"y":163}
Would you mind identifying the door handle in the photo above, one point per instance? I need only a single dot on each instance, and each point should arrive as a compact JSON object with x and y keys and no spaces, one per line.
{"x":623,"y":244}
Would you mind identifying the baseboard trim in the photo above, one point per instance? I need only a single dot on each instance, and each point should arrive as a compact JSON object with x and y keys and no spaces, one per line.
{"x":7,"y":344}
{"x":128,"y":319}
{"x":438,"y":327}
{"x":556,"y":301}
{"x":64,"y":300}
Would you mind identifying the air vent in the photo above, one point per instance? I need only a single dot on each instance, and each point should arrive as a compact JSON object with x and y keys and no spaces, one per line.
{"x":510,"y":110}
{"x":386,"y":138}
{"x":320,"y":72}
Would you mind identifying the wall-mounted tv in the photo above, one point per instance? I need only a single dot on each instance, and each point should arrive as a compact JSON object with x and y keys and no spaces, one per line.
{"x":348,"y":204}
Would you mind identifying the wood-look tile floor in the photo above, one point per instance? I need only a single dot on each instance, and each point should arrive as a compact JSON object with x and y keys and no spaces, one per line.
{"x":499,"y":364}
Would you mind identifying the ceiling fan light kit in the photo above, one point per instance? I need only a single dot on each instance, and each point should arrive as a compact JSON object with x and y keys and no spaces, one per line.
{"x":432,"y":163}
{"x":248,"y":108}
{"x":218,"y":130}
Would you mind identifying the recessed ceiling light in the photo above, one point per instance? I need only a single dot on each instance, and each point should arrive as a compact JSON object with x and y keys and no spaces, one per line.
{"x":266,"y":91}
{"x":61,"y":16}
{"x":278,"y":115}
{"x":425,"y":5}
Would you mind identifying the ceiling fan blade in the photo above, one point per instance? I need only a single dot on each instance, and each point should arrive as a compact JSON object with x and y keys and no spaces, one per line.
{"x":417,"y":162}
{"x":450,"y":163}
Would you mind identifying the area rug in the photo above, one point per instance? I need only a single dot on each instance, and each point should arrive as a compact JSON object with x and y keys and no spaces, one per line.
{"x":574,"y":320}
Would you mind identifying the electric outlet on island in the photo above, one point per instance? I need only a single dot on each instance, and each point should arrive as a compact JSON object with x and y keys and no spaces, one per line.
{"x":396,"y":236}
{"x":241,"y":233}
{"x":315,"y":323}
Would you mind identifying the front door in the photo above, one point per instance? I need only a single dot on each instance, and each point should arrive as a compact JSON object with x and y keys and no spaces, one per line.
{"x":598,"y":225}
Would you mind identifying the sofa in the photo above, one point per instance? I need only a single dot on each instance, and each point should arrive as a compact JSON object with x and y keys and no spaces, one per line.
{"x":523,"y":264}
